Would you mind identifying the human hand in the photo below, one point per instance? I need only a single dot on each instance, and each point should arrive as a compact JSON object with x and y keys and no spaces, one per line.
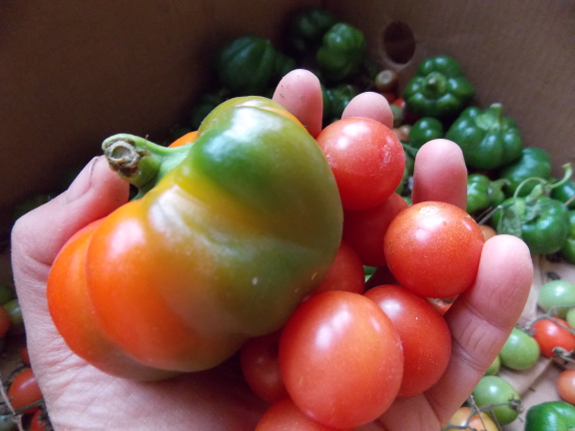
{"x":79,"y":396}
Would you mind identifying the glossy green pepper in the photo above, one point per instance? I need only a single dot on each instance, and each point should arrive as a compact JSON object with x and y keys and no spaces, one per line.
{"x":424,"y":130}
{"x":307,"y":28}
{"x":439,"y":89}
{"x":337,"y":99}
{"x":341,"y":53}
{"x":230,"y":232}
{"x":565,"y":192}
{"x":568,"y":249}
{"x":487,"y":138}
{"x":551,"y":416}
{"x":542,"y":222}
{"x":246,"y":65}
{"x":533,"y":162}
{"x":483,"y":193}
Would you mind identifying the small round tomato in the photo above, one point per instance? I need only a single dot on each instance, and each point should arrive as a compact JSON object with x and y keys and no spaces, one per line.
{"x":260,"y":367}
{"x":425,"y":336}
{"x":549,"y":335}
{"x":364,"y":230}
{"x":341,"y":359}
{"x":24,"y":356}
{"x":520,"y":351}
{"x":571,"y":317}
{"x":15,"y":314}
{"x":24,"y":390}
{"x":476,"y":422}
{"x":285,"y":415}
{"x":433,"y":249}
{"x":566,"y":385}
{"x":345,"y":273}
{"x":494,"y":390}
{"x":366,"y":158}
{"x":494,"y":367}
{"x":556,"y":293}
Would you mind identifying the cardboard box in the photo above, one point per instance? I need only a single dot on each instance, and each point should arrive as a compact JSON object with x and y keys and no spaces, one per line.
{"x":73,"y":73}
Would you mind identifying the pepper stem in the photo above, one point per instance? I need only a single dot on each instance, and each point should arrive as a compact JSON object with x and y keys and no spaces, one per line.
{"x":139,"y":161}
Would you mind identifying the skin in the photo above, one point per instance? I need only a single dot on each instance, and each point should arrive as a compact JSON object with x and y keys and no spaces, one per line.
{"x":79,"y":396}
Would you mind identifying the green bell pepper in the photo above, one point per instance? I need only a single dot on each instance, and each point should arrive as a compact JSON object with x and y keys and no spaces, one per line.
{"x":306,"y":29}
{"x":488,"y":139}
{"x":424,"y":130}
{"x":336,"y":99}
{"x":568,"y":249}
{"x":564,"y":193}
{"x":533,"y":162}
{"x":439,"y":89}
{"x":551,"y":416}
{"x":483,"y":193}
{"x":246,"y":64}
{"x":342,"y":52}
{"x":542,"y":222}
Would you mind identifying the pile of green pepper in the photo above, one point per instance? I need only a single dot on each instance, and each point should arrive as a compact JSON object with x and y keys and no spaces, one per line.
{"x":510,"y":185}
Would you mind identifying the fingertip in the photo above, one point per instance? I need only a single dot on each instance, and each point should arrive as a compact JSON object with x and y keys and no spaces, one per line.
{"x":370,"y":105}
{"x":300,"y":93}
{"x":440,"y":173}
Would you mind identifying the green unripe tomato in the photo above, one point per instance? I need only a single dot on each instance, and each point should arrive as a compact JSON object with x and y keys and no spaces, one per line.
{"x":494,"y":390}
{"x":557,"y":293}
{"x":494,"y":367}
{"x":15,"y":314}
{"x":520,"y":351}
{"x":571,"y":317}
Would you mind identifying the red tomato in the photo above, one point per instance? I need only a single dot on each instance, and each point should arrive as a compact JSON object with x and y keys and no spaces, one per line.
{"x":24,"y":390}
{"x":345,"y":273}
{"x":549,"y":335}
{"x":4,"y":321}
{"x":440,"y":305}
{"x":366,"y":158}
{"x":341,"y":359}
{"x":260,"y":367}
{"x":364,"y":230}
{"x":566,"y":385}
{"x":425,"y":336}
{"x":39,"y":422}
{"x":433,"y":249}
{"x":285,"y":415}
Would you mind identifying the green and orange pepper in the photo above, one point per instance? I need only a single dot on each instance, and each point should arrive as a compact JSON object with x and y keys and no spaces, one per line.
{"x":227,"y":235}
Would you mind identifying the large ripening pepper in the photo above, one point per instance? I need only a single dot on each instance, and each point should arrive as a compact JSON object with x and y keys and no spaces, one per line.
{"x":341,"y":53}
{"x":439,"y":89}
{"x":231,"y":231}
{"x":487,"y":138}
{"x":551,"y":416}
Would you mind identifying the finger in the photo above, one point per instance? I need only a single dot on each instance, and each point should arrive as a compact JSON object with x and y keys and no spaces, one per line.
{"x":440,"y":174}
{"x":482,"y":318}
{"x":300,"y":93}
{"x":480,"y":321}
{"x":370,"y":105}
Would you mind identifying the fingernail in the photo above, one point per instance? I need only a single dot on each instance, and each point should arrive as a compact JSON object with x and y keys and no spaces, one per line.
{"x":82,"y":183}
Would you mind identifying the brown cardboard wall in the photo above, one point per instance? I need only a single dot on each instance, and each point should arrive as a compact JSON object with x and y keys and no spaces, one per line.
{"x":73,"y":73}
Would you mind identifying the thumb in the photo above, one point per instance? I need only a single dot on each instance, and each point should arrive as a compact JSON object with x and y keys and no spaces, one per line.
{"x":38,"y":236}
